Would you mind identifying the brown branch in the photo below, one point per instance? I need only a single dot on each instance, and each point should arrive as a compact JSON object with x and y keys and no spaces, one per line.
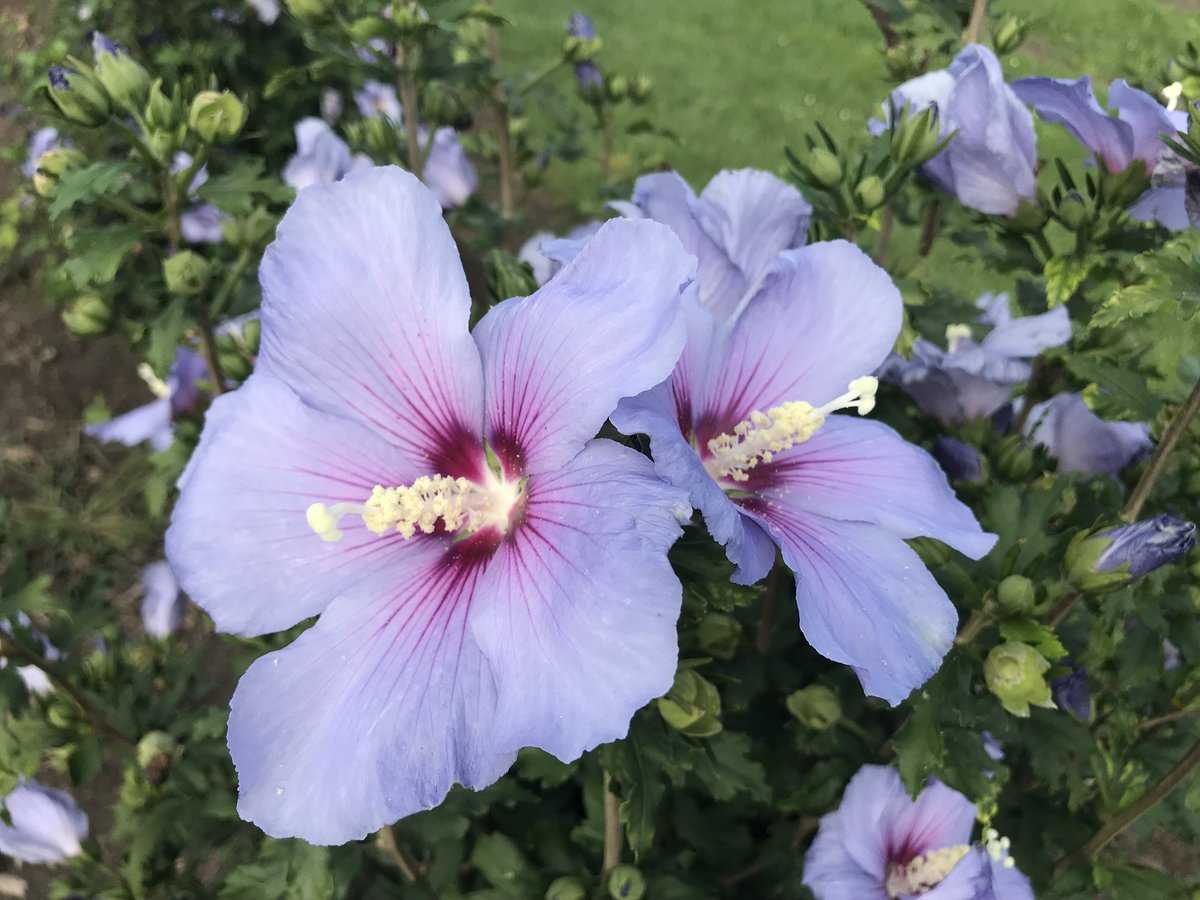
{"x":975,"y":23}
{"x":1166,"y":718}
{"x":1158,"y":463}
{"x":385,"y":842}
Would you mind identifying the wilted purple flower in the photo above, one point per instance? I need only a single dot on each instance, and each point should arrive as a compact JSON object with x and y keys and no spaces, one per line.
{"x":972,"y":380}
{"x":1083,"y":442}
{"x":152,"y":422}
{"x":882,"y":845}
{"x":742,"y":220}
{"x":200,"y":223}
{"x":1134,"y":134}
{"x":1146,"y":545}
{"x":990,"y":165}
{"x":162,"y":604}
{"x":490,"y":577}
{"x":378,"y":100}
{"x":47,"y":825}
{"x":746,"y":424}
{"x":546,"y":253}
{"x":43,"y":139}
{"x":35,"y":679}
{"x":321,"y":156}
{"x":960,"y":462}
{"x":266,"y":10}
{"x":1072,"y":693}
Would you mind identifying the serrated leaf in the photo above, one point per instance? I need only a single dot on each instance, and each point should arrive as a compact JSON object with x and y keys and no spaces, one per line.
{"x":165,"y":334}
{"x":1064,"y":275}
{"x":724,"y":764}
{"x":920,"y":750}
{"x":1124,"y":385}
{"x":96,"y":254}
{"x":234,"y":192}
{"x":1037,"y":635}
{"x":501,"y":862}
{"x":92,"y":181}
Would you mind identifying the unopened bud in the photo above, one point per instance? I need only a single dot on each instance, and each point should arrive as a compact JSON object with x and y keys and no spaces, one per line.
{"x":816,"y":706}
{"x":1072,"y":693}
{"x":1016,"y":594}
{"x":960,"y":462}
{"x":51,"y":166}
{"x":617,"y":88}
{"x":825,"y":167}
{"x":581,"y":43}
{"x":566,"y":888}
{"x":216,"y":116}
{"x":641,"y":89}
{"x":1014,"y":458}
{"x":87,"y":316}
{"x":365,"y":29}
{"x":186,"y":273}
{"x":126,"y":81}
{"x":1009,"y":35}
{"x":161,"y":113}
{"x":155,"y":753}
{"x":719,"y":635}
{"x":590,"y":81}
{"x":917,"y":136}
{"x":869,"y":192}
{"x":692,"y":706}
{"x":626,"y":882}
{"x":1015,"y":673}
{"x":79,"y":97}
{"x":1109,"y":559}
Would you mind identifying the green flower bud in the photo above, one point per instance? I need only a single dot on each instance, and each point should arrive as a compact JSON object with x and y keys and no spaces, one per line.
{"x":216,"y":116}
{"x":1124,"y":187}
{"x":153,"y":745}
{"x":719,"y":634}
{"x":566,"y":888}
{"x":626,"y":883}
{"x":87,"y":316}
{"x":1108,"y":559}
{"x":61,"y":715}
{"x":126,"y":81}
{"x":581,"y":49}
{"x":617,"y":88}
{"x":1014,"y":458}
{"x":641,"y":89}
{"x":1029,"y":217}
{"x":869,"y":192}
{"x":916,"y":137}
{"x":161,"y":112}
{"x":251,"y":333}
{"x":1072,"y":211}
{"x":1015,"y":673}
{"x":51,"y":166}
{"x":507,"y":276}
{"x":367,"y":28}
{"x":307,"y":9}
{"x":1009,"y":34}
{"x":79,"y":96}
{"x":1016,"y":594}
{"x":816,"y":706}
{"x":186,"y":273}
{"x":825,"y":167}
{"x":692,"y":706}
{"x":234,"y":365}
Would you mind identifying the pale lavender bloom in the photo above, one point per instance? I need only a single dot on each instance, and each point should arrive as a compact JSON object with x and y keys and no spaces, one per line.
{"x":448,"y":170}
{"x":992,"y":747}
{"x":200,"y":223}
{"x":1134,"y":134}
{"x":547,"y":254}
{"x":321,"y":156}
{"x":960,"y":462}
{"x":36,"y":681}
{"x":970,"y":380}
{"x":1072,"y":693}
{"x":153,"y":421}
{"x":331,"y":105}
{"x":102,"y":44}
{"x":1146,"y":545}
{"x":990,"y":165}
{"x":882,"y":845}
{"x":47,"y":825}
{"x":1172,"y":658}
{"x":545,"y":620}
{"x":839,"y":500}
{"x":266,"y":10}
{"x":1083,"y":442}
{"x":742,"y":220}
{"x":162,"y":604}
{"x":376,"y":99}
{"x":581,"y":26}
{"x":43,"y":140}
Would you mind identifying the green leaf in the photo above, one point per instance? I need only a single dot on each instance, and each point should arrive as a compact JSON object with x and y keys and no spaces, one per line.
{"x":234,"y":192}
{"x":92,"y":181}
{"x":920,"y":750}
{"x":1064,"y":275}
{"x":643,"y":790}
{"x":501,"y":862}
{"x":96,"y":254}
{"x":1123,"y":384}
{"x":723,"y":763}
{"x":165,"y":334}
{"x":1037,"y":635}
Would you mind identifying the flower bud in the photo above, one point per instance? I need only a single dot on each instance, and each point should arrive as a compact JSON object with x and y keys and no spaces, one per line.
{"x":1014,"y":458}
{"x":617,"y":88}
{"x":126,"y":81}
{"x":960,"y":462}
{"x":641,"y":89}
{"x":581,"y":43}
{"x":234,"y":365}
{"x":161,"y":114}
{"x":410,"y":16}
{"x":869,"y":192}
{"x":566,"y":888}
{"x":51,"y":166}
{"x":186,"y":273}
{"x":87,"y":316}
{"x":251,"y":334}
{"x":216,"y":116}
{"x":1072,"y":211}
{"x":1015,"y":673}
{"x":1009,"y":34}
{"x":155,"y":751}
{"x":590,"y":81}
{"x":816,"y":706}
{"x":365,"y":29}
{"x":1016,"y":594}
{"x":307,"y":9}
{"x":825,"y":167}
{"x":1110,"y":559}
{"x":79,"y":97}
{"x":718,"y":635}
{"x":626,"y":883}
{"x":692,"y":706}
{"x":507,"y":276}
{"x":916,"y":137}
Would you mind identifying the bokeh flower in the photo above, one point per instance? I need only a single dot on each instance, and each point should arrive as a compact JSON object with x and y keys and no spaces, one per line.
{"x":321,"y":156}
{"x":882,"y":845}
{"x":199,"y":223}
{"x":153,"y":422}
{"x":36,"y":681}
{"x":1083,"y":442}
{"x":746,"y":424}
{"x":487,"y":576}
{"x":41,"y":141}
{"x":162,"y":604}
{"x":47,"y":825}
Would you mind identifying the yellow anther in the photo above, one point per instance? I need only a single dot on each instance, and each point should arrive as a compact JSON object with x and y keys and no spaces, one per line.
{"x":762,"y":435}
{"x":1172,"y":94}
{"x":158,"y":387}
{"x":923,"y":873}
{"x":955,"y":334}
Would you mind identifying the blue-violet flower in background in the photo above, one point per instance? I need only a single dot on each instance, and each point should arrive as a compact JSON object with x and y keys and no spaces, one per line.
{"x":321,"y":156}
{"x":1083,"y":442}
{"x":47,"y":825}
{"x":153,"y":421}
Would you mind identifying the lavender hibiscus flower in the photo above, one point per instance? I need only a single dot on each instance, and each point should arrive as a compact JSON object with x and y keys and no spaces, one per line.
{"x":200,"y":223}
{"x":746,"y":424}
{"x":321,"y":156}
{"x":1083,"y":442}
{"x":487,"y":576}
{"x":47,"y":825}
{"x":990,"y":165}
{"x":153,"y":422}
{"x":882,"y":845}
{"x":42,"y":140}
{"x":162,"y":604}
{"x":1133,"y":135}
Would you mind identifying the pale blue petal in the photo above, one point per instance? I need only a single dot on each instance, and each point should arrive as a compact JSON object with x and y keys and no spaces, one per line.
{"x":1149,"y":121}
{"x":150,"y":423}
{"x":1166,"y":205}
{"x":1027,"y":336}
{"x":448,"y":170}
{"x":1072,"y":103}
{"x":162,"y":604}
{"x":47,"y":825}
{"x":1083,"y":442}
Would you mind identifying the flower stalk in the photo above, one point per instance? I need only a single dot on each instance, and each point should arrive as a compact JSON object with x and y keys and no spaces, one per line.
{"x":613,"y":835}
{"x":1158,"y":463}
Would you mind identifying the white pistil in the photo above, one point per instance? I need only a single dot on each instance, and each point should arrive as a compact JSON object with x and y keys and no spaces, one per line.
{"x":462,"y":506}
{"x":158,"y":387}
{"x":763,"y":434}
{"x":923,"y":873}
{"x":956,"y":334}
{"x":1172,"y":93}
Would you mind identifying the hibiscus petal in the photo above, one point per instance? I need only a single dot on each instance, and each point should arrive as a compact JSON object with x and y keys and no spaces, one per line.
{"x":365,"y":310}
{"x":373,"y":713}
{"x":939,"y":817}
{"x":1073,"y":105}
{"x":151,"y":422}
{"x":865,"y":600}
{"x":858,"y":470}
{"x":577,"y":611}
{"x":825,"y":316}
{"x":830,"y":869}
{"x":239,"y":542}
{"x":971,"y":879}
{"x":1148,"y":120}
{"x":863,"y":831}
{"x":607,"y":326}
{"x":1166,"y":205}
{"x":1027,"y":336}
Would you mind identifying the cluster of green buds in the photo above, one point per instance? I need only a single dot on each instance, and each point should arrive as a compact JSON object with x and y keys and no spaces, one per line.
{"x":1016,"y":674}
{"x":692,"y":706}
{"x":816,"y":707}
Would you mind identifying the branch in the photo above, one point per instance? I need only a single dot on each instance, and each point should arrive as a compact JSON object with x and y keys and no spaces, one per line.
{"x":613,"y":837}
{"x":1158,"y":463}
{"x":975,"y":23}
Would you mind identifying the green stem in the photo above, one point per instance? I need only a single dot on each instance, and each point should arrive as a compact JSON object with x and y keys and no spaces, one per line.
{"x":768,"y":609}
{"x":131,"y":212}
{"x":1039,"y":238}
{"x":930,"y":225}
{"x":385,"y":842}
{"x":540,"y":77}
{"x":975,"y":23}
{"x":885,"y":237}
{"x":613,"y":836}
{"x":503,"y":139}
{"x":232,"y":277}
{"x":412,"y":115}
{"x":980,"y":619}
{"x":140,"y":145}
{"x":1062,"y":609}
{"x":1166,"y":718}
{"x":208,"y":344}
{"x":1158,"y":463}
